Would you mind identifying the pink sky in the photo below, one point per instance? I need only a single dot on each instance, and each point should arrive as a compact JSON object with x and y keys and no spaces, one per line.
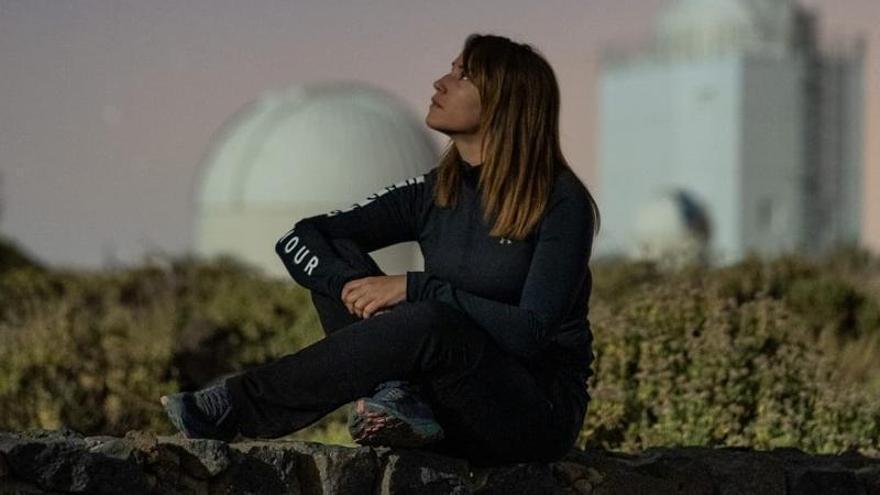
{"x":108,"y":106}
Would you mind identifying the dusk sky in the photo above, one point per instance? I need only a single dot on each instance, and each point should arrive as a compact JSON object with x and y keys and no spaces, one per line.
{"x":107,"y":107}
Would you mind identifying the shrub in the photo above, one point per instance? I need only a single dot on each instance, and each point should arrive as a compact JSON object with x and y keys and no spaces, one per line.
{"x":760,"y":354}
{"x":95,"y":351}
{"x":731,"y":357}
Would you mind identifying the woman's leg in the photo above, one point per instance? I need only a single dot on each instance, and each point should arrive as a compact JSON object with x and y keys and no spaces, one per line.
{"x":498,"y":411}
{"x":366,"y":428}
{"x":292,"y":392}
{"x":492,"y":408}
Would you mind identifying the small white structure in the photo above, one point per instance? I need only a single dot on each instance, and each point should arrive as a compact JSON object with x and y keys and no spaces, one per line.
{"x":733,"y":102}
{"x":300,"y":152}
{"x":672,"y":230}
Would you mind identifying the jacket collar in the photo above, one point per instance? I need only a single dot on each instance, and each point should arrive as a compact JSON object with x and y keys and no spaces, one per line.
{"x":469,"y":173}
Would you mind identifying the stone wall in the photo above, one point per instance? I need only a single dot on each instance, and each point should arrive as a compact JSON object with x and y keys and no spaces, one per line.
{"x":63,"y":462}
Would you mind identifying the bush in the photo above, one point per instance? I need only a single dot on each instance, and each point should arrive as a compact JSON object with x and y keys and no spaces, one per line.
{"x":754,"y":354}
{"x":759,"y":354}
{"x":95,"y":351}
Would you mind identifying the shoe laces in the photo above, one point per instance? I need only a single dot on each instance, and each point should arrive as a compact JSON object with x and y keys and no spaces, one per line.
{"x":397,"y":384}
{"x":396,"y":390}
{"x":213,"y":401}
{"x":404,"y":398}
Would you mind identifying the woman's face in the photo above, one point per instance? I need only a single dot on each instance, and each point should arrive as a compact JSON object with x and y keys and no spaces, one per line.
{"x":455,"y":107}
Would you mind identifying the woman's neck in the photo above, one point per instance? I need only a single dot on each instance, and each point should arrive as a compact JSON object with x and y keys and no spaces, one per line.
{"x":469,"y":148}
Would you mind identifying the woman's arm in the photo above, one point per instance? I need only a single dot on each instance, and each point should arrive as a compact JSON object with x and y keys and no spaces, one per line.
{"x":387,"y":217}
{"x":558,"y":268}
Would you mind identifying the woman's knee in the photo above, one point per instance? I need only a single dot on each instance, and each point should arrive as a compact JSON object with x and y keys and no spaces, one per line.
{"x":437,"y":319}
{"x":440,"y":326}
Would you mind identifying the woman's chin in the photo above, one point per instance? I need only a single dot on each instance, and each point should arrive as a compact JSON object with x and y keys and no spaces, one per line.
{"x":437,"y":127}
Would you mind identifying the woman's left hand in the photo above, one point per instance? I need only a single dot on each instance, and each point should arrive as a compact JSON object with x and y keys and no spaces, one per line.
{"x":366,"y":296}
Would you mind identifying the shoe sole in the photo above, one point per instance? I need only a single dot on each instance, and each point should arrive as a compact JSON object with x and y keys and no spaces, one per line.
{"x":372,"y":424}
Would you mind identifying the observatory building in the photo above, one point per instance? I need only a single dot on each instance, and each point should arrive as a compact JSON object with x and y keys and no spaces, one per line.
{"x":300,"y":152}
{"x":734,"y":115}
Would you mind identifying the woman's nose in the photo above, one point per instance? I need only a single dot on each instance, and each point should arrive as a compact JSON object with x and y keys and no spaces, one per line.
{"x":438,"y":85}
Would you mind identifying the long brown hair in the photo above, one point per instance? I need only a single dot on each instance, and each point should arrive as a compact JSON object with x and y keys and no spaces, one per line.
{"x":520,"y":125}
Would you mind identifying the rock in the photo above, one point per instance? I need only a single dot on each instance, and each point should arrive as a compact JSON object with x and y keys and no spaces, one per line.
{"x":63,"y":461}
{"x":147,"y":443}
{"x":633,"y":482}
{"x":583,"y":486}
{"x":690,"y":470}
{"x":569,"y":471}
{"x":250,"y":475}
{"x":283,"y":462}
{"x":521,"y":478}
{"x":117,"y":448}
{"x":736,"y":471}
{"x":870,"y":478}
{"x":417,"y":472}
{"x":316,"y":468}
{"x":11,"y":487}
{"x":335,"y":469}
{"x":593,"y":476}
{"x":849,"y":472}
{"x":200,"y":458}
{"x":683,"y":474}
{"x":828,"y":482}
{"x":63,"y":433}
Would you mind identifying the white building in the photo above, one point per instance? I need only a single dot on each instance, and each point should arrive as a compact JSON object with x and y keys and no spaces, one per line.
{"x":300,"y":152}
{"x":733,"y":104}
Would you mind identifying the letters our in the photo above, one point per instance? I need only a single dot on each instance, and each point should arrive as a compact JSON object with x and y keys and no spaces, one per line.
{"x":301,"y":253}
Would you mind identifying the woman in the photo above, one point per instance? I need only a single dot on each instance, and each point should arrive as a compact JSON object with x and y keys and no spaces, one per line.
{"x":483,"y":355}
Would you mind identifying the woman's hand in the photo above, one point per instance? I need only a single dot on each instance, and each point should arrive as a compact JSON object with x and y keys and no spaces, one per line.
{"x":367,"y":296}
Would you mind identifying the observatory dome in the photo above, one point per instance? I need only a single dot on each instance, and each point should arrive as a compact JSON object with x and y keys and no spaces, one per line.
{"x":299,"y":152}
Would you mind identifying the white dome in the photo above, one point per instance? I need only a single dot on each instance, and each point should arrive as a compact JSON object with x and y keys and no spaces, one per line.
{"x":299,"y":152}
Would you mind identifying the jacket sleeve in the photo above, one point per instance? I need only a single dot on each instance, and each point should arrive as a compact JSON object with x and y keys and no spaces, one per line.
{"x":558,"y":267}
{"x":387,"y":217}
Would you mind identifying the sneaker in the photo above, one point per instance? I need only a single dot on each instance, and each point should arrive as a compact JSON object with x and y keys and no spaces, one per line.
{"x":202,"y":414}
{"x":395,"y":416}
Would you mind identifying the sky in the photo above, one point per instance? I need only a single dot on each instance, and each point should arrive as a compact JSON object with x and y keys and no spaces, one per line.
{"x":108,"y":107}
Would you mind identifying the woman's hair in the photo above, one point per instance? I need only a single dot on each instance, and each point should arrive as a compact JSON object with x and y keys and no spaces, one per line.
{"x":520,"y":123}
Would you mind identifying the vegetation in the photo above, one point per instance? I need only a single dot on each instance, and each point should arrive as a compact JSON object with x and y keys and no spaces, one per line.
{"x":759,"y":354}
{"x":764,"y":355}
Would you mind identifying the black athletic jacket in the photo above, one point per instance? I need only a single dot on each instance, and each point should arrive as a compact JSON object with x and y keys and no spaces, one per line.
{"x":530,"y":295}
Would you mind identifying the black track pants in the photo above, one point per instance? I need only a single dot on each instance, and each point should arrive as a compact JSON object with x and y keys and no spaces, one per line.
{"x":492,"y":408}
